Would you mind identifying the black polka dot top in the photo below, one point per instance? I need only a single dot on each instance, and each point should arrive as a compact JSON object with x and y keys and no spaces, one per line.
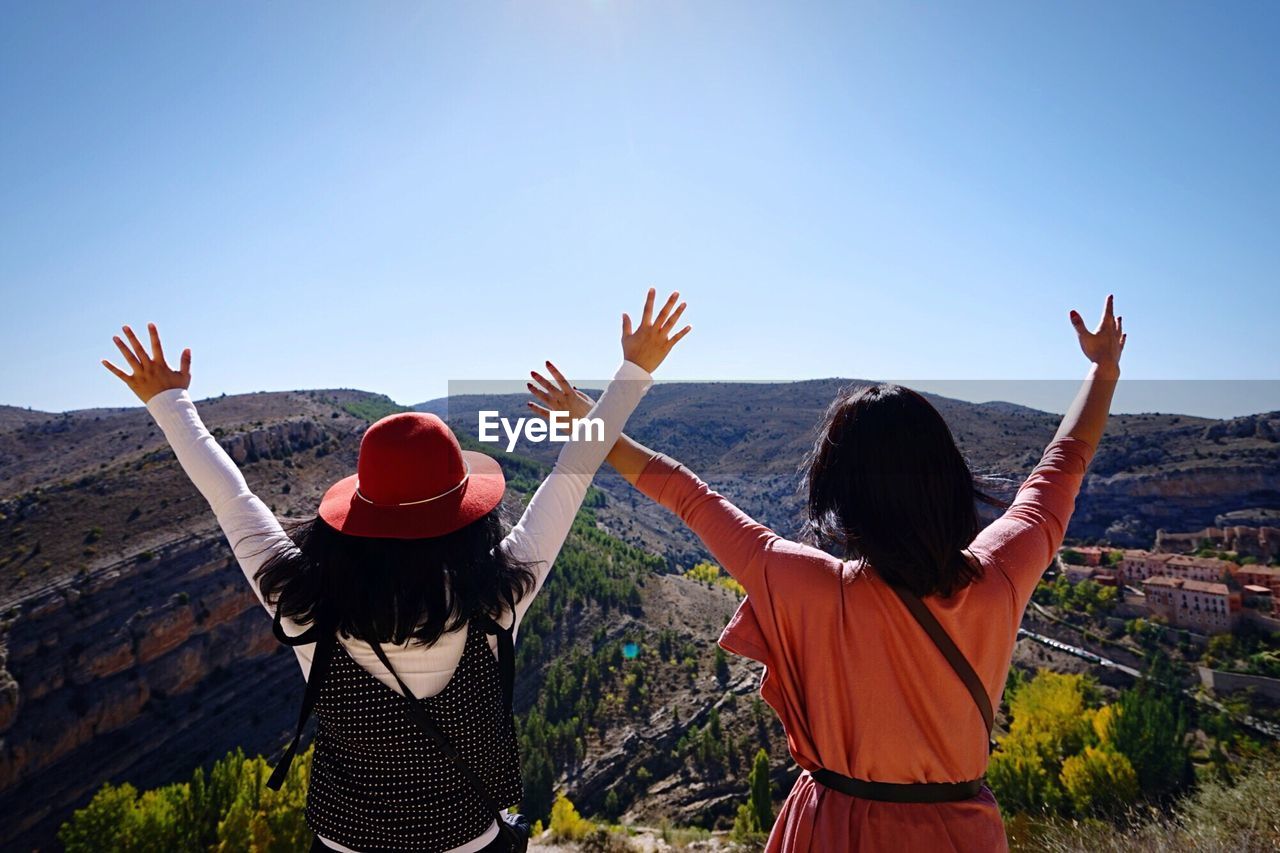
{"x":379,"y":783}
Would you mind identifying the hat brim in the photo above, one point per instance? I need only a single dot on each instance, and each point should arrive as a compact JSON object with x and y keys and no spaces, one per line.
{"x":345,"y":511}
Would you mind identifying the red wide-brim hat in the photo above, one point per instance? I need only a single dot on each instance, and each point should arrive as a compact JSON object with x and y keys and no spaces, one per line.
{"x":413,"y":481}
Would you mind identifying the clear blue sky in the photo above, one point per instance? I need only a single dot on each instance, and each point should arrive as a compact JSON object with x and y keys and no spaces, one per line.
{"x":392,"y":195}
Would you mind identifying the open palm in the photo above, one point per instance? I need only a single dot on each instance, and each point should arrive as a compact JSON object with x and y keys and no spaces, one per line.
{"x":151,"y":373}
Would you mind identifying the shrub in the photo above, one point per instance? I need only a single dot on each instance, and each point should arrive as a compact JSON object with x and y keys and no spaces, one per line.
{"x":229,"y":810}
{"x":566,"y":823}
{"x":1099,"y":782}
{"x":710,"y":573}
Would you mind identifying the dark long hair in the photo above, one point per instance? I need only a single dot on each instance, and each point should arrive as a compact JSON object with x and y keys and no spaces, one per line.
{"x":888,"y":484}
{"x":391,"y":590}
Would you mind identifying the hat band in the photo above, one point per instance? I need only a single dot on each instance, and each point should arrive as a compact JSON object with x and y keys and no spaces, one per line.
{"x":444,"y":494}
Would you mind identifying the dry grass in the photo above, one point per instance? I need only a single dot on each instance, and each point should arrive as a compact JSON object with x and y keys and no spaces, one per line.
{"x":1217,"y":818}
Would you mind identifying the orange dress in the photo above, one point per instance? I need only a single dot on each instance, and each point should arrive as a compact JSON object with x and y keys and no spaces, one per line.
{"x":860,"y":688}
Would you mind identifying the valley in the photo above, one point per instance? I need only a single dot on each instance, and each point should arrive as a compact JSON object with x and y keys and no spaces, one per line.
{"x":132,"y":650}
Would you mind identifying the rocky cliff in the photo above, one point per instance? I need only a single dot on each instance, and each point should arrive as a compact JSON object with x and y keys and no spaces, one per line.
{"x":124,"y":663}
{"x":131,"y":648}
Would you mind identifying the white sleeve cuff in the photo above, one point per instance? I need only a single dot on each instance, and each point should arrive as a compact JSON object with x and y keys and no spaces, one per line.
{"x":168,"y":402}
{"x":631,"y":371}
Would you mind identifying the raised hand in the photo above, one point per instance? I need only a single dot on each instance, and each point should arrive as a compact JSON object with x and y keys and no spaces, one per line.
{"x":151,"y":373}
{"x":652,"y":340}
{"x":1104,"y":344}
{"x":557,"y":396}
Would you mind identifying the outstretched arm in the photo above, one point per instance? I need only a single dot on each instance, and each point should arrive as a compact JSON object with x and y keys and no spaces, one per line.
{"x":629,"y":458}
{"x":1023,"y":541}
{"x":249,"y":525}
{"x":1087,"y":416}
{"x":733,"y":538}
{"x":542,"y":529}
{"x":736,"y":541}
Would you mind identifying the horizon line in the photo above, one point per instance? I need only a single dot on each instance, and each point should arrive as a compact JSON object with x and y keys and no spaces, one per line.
{"x":931,"y":387}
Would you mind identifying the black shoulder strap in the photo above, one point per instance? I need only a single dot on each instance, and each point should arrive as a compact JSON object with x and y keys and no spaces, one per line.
{"x":420,"y":718}
{"x":506,"y":655}
{"x":950,"y":651}
{"x":324,"y":637}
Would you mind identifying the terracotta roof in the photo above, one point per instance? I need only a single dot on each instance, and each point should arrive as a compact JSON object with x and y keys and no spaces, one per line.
{"x":1199,"y":562}
{"x":1190,"y":586}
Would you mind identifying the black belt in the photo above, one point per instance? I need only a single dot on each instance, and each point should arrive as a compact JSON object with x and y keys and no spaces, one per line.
{"x":899,"y":792}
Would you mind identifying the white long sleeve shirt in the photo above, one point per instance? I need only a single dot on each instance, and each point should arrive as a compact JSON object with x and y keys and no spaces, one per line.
{"x":256,"y":535}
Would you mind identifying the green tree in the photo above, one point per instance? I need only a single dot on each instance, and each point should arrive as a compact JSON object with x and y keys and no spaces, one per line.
{"x":745,"y":827}
{"x":612,"y":804}
{"x":263,"y":820}
{"x":1150,"y":730}
{"x":539,"y":781}
{"x":722,"y":667}
{"x":761,"y":800}
{"x":103,"y":825}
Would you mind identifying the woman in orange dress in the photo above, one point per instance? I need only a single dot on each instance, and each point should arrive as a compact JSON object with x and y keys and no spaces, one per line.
{"x":864,"y":694}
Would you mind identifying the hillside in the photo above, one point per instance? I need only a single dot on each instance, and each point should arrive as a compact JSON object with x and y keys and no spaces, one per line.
{"x":131,"y":649}
{"x":12,"y":417}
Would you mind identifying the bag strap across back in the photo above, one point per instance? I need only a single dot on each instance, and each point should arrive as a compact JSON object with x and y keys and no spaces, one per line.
{"x":324,"y":636}
{"x":419,"y":716}
{"x":925,"y":618}
{"x":922,"y":792}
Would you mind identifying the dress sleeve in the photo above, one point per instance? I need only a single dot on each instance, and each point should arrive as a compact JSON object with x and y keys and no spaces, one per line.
{"x":738,"y":542}
{"x":1023,"y":541}
{"x":249,"y":525}
{"x":538,"y":536}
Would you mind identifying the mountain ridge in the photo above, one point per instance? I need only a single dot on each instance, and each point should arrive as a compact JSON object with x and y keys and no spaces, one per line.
{"x":1150,"y":472}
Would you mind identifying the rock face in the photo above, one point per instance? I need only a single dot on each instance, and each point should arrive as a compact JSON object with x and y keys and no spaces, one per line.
{"x":83,"y":688}
{"x":279,"y":441}
{"x":131,"y":647}
{"x":1262,"y":543}
{"x":1266,"y":427}
{"x":10,"y":695}
{"x":1128,"y":508}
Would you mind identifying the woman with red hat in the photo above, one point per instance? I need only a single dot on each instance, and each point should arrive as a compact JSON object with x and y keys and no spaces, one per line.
{"x":402,"y":598}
